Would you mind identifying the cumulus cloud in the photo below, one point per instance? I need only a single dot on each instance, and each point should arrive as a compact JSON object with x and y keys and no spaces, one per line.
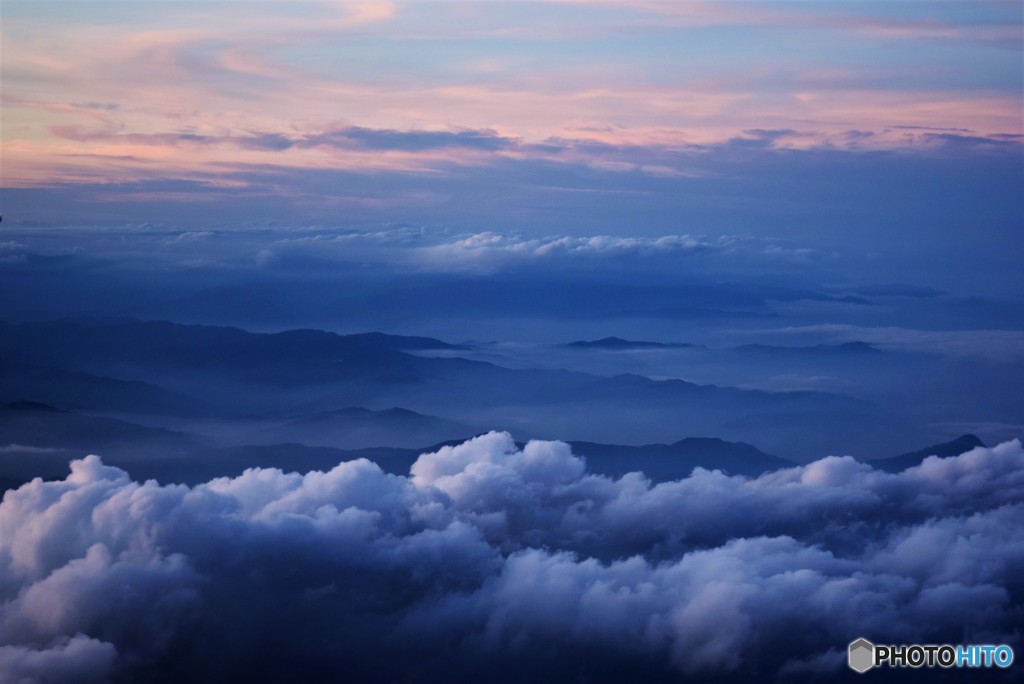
{"x":489,"y":251}
{"x":498,"y":561}
{"x":78,"y":659}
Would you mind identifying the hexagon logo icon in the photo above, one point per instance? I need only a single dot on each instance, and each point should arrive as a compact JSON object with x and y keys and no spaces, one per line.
{"x":861,"y":656}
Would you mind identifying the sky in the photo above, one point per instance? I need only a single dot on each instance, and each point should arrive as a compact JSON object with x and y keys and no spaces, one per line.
{"x":718,"y":173}
{"x":521,"y":171}
{"x":871,"y":128}
{"x":799,"y":224}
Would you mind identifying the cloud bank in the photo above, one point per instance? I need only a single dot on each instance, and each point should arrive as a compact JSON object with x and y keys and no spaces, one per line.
{"x":496,"y":562}
{"x":486,"y":251}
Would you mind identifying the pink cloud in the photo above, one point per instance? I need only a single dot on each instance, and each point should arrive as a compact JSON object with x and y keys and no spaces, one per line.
{"x":214,"y":90}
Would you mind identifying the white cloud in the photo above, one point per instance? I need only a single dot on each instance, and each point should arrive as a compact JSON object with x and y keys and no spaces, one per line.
{"x":493,"y":555}
{"x":487,"y":251}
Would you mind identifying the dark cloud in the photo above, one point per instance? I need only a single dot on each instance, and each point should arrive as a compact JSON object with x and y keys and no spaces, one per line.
{"x":772,"y":133}
{"x":496,"y":562}
{"x":383,"y":139}
{"x":931,"y":128}
{"x":859,"y":135}
{"x":78,"y":658}
{"x":265,"y":141}
{"x":343,"y":138}
{"x":104,"y":106}
{"x":112,"y":133}
{"x":955,"y":142}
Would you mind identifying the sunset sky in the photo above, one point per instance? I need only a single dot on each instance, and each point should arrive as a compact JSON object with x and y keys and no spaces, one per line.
{"x":242,"y":112}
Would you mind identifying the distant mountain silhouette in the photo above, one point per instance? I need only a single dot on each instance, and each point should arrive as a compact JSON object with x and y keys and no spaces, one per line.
{"x":42,"y":425}
{"x":619,"y":343}
{"x":659,"y":462}
{"x":357,"y":427}
{"x":662,"y":462}
{"x":38,"y":440}
{"x":48,"y":385}
{"x":895,"y":464}
{"x":845,"y":349}
{"x":206,"y":464}
{"x":73,"y":344}
{"x":196,"y":372}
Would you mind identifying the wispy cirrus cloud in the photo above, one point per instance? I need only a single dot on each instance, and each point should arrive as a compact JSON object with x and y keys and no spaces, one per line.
{"x":343,"y":138}
{"x":992,"y":24}
{"x":235,"y":89}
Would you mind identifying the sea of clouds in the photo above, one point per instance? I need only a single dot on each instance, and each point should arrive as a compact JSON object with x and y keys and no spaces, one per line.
{"x":500,"y":563}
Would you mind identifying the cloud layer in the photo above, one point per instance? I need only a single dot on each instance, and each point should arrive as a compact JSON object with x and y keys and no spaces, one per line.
{"x":493,"y":556}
